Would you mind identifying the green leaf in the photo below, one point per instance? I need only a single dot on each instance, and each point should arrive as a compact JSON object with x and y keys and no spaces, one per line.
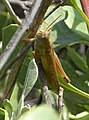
{"x":72,"y":87}
{"x":7,"y":34}
{"x":76,"y":22}
{"x":81,"y":116}
{"x":15,"y":96}
{"x":83,"y":82}
{"x":17,"y":91}
{"x":74,"y":3}
{"x":4,"y":20}
{"x":17,"y":112}
{"x":74,"y":101}
{"x":25,"y":109}
{"x":78,"y":80}
{"x":31,"y":77}
{"x":60,"y":34}
{"x":8,"y":107}
{"x":43,"y":112}
{"x":3,"y":114}
{"x":71,"y":3}
{"x":58,"y":13}
{"x":79,"y":4}
{"x":71,"y":99}
{"x":77,"y":59}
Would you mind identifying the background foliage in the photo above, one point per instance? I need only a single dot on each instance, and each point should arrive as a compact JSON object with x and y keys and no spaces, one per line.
{"x":71,"y":40}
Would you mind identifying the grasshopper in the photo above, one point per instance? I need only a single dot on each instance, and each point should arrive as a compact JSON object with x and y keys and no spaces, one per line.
{"x":45,"y":54}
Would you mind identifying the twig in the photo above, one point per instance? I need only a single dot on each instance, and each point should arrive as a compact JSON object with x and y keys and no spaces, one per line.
{"x":31,"y":21}
{"x":42,"y":78}
{"x":60,"y":99}
{"x":12,"y":13}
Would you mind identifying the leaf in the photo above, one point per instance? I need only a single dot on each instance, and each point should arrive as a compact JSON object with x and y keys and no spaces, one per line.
{"x":76,"y":22}
{"x":74,"y":3}
{"x":17,"y":91}
{"x":72,"y":87}
{"x":58,"y":13}
{"x":79,"y":4}
{"x":79,"y":81}
{"x":25,"y":109}
{"x":37,"y":114}
{"x":75,"y":102}
{"x":7,"y":34}
{"x":60,"y":33}
{"x":8,"y":107}
{"x":17,"y":112}
{"x":62,"y":36}
{"x":77,"y":59}
{"x":4,"y":20}
{"x":31,"y":77}
{"x":3,"y":114}
{"x":81,"y":116}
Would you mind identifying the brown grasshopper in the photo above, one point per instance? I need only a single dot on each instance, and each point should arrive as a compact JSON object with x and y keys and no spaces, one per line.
{"x":45,"y":54}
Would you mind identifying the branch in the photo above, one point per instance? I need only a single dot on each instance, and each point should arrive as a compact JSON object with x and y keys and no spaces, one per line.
{"x":30,"y":21}
{"x":12,"y":13}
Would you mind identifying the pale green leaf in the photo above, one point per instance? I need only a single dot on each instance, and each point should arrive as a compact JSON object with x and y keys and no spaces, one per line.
{"x":31,"y":77}
{"x":76,"y":22}
{"x":17,"y":112}
{"x":8,"y":107}
{"x":3,"y":114}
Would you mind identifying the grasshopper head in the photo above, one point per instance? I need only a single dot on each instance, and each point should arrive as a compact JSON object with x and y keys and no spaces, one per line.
{"x":43,"y":42}
{"x":43,"y":34}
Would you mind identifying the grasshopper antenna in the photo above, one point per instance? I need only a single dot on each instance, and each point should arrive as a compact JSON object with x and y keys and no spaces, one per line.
{"x":49,"y":27}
